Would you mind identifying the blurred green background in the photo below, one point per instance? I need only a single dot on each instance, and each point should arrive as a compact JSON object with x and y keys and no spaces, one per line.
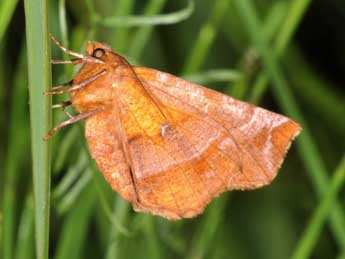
{"x":287,"y":56}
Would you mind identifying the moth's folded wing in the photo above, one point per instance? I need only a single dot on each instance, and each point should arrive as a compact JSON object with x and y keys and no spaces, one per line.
{"x":105,"y":148}
{"x":262,"y":135}
{"x":178,"y":171}
{"x":179,"y":158}
{"x":206,"y":143}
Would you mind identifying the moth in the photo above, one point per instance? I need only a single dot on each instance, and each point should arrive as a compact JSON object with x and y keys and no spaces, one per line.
{"x":166,"y":145}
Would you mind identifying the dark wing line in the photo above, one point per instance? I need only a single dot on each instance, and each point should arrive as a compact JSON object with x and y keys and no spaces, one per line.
{"x":124,"y":147}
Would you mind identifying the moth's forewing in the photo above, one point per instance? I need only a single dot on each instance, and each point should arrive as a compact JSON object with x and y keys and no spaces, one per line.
{"x":267,"y":134}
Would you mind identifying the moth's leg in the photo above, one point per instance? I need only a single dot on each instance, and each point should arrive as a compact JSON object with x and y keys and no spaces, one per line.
{"x":64,"y":85}
{"x":80,"y":57}
{"x":81,"y":116}
{"x":62,"y":105}
{"x":73,"y":87}
{"x":73,"y":61}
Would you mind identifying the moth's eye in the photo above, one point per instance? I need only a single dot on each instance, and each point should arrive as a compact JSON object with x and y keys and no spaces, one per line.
{"x":98,"y":53}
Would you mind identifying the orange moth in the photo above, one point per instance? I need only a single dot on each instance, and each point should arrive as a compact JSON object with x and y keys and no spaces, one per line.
{"x":166,"y":145}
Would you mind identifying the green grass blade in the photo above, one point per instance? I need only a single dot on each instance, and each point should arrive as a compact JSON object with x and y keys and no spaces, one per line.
{"x":143,"y":33}
{"x":108,"y":213}
{"x":137,"y":20}
{"x":63,"y":23}
{"x":295,"y":14}
{"x":206,"y":37}
{"x":91,"y":10}
{"x":71,"y":176}
{"x":314,"y":90}
{"x":306,"y":144}
{"x":154,"y":250}
{"x":39,"y":73}
{"x":120,"y":35}
{"x":341,"y":256}
{"x":249,"y":61}
{"x":214,"y":75}
{"x":208,"y":227}
{"x":61,"y":157}
{"x":274,"y":19}
{"x":313,"y":230}
{"x":121,"y":214}
{"x":73,"y":235}
{"x":25,"y":245}
{"x":16,"y":152}
{"x":7,"y":8}
{"x":71,"y":196}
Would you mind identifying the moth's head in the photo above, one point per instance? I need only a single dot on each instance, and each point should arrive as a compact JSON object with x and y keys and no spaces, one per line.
{"x":103,"y":52}
{"x":97,"y":49}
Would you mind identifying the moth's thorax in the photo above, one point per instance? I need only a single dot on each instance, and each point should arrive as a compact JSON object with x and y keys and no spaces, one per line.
{"x":98,"y":93}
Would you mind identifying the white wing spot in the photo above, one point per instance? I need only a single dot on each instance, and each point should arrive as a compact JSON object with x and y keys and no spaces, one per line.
{"x":163,"y":77}
{"x":115,"y":175}
{"x":210,"y":174}
{"x":165,"y":127}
